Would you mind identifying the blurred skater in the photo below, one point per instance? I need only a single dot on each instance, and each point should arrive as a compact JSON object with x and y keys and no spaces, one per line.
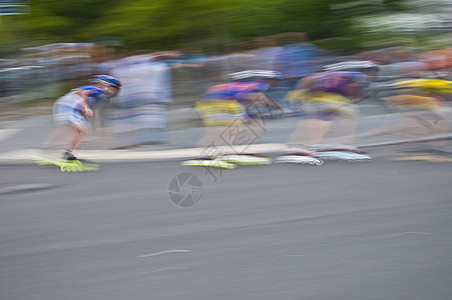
{"x":422,"y":108}
{"x":71,"y":111}
{"x":232,"y":116}
{"x":328,"y":99}
{"x":234,"y":107}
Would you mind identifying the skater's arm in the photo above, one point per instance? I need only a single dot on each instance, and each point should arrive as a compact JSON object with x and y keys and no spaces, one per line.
{"x":84,"y":94}
{"x":361,"y":97}
{"x":359,"y":91}
{"x":305,"y":83}
{"x":259,"y":98}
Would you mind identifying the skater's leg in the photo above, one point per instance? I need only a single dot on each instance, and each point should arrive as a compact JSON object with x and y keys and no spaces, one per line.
{"x":255,"y":129}
{"x":404,"y":124}
{"x":435,"y":123}
{"x":213,"y":136}
{"x":345,"y":129}
{"x":310,"y":132}
{"x":77,"y":136}
{"x":420,"y":123}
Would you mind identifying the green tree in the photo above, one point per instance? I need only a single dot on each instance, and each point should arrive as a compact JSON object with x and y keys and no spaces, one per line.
{"x":173,"y":24}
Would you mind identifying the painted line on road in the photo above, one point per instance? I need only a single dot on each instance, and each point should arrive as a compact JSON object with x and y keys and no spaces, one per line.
{"x":404,"y":233}
{"x":163,"y":252}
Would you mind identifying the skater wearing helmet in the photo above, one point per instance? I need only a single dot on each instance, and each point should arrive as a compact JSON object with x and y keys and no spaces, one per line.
{"x":230,"y":112}
{"x":71,"y":111}
{"x":329,"y":98}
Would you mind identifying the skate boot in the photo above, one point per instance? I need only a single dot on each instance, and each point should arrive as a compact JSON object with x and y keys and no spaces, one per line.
{"x":75,"y":164}
{"x":300,"y":155}
{"x":246,"y":159}
{"x":343,"y":153}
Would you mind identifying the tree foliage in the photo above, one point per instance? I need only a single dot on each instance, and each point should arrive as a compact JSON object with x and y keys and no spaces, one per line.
{"x":173,"y":24}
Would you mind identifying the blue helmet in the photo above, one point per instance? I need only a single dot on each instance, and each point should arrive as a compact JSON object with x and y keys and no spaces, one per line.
{"x":107,"y":80}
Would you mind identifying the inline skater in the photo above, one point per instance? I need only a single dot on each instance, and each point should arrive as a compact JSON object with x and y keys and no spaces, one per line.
{"x":71,"y":111}
{"x":231,"y":124}
{"x":328,"y":98}
{"x":422,"y":107}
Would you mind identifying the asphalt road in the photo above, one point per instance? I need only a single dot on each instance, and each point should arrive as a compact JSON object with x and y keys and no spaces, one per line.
{"x":379,"y":230}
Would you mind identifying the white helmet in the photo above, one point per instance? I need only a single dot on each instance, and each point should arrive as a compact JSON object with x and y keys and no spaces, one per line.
{"x":256,"y":74}
{"x":353,"y":65}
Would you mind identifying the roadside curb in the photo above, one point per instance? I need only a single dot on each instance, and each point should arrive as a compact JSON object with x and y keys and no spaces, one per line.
{"x":25,"y":156}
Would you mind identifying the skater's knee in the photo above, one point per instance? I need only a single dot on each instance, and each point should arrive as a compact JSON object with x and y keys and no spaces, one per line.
{"x":81,"y":130}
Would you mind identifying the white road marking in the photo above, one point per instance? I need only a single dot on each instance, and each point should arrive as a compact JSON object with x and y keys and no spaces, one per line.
{"x":163,"y":252}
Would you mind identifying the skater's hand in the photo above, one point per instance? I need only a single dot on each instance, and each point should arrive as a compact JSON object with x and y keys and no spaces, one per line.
{"x":88,"y":112}
{"x":262,"y":99}
{"x":272,"y":104}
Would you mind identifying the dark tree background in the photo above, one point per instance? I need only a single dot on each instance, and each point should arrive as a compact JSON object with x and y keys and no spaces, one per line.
{"x":174,"y":24}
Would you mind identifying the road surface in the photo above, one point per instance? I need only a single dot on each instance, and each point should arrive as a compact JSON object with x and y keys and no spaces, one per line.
{"x":379,"y":230}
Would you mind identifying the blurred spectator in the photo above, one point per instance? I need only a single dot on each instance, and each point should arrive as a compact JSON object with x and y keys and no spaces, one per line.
{"x":438,"y":64}
{"x":141,"y":116}
{"x":266,"y":54}
{"x":188,"y":73}
{"x":295,"y":59}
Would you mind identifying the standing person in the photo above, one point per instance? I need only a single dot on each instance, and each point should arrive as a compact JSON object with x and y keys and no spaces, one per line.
{"x":71,"y":111}
{"x":140,"y":115}
{"x":295,"y":59}
{"x":266,"y":54}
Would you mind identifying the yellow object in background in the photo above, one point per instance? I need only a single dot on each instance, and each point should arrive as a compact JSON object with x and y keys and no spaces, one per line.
{"x":323,"y":102}
{"x":296,"y":95}
{"x":221,"y":112}
{"x":426,"y":84}
{"x":414,"y":101}
{"x":319,"y":97}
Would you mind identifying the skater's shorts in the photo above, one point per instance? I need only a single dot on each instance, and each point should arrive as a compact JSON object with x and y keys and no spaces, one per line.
{"x":222,"y":112}
{"x":68,"y":114}
{"x":327,"y":106}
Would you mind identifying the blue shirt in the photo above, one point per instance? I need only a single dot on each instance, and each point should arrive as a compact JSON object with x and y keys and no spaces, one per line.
{"x":97,"y":97}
